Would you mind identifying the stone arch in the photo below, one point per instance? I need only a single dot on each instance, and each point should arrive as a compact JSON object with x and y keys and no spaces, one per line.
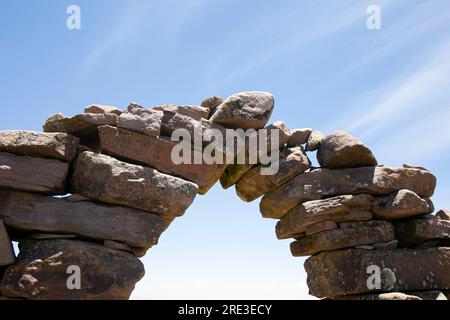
{"x":95,"y":191}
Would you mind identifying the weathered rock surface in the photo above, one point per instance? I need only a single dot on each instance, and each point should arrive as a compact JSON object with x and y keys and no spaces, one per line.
{"x":51,"y":236}
{"x":299,"y":137}
{"x":61,"y":146}
{"x":188,"y":109}
{"x":410,"y":232}
{"x":27,"y":213}
{"x":234,"y":172}
{"x":399,"y":205}
{"x":320,"y":227}
{"x":157,"y":153}
{"x":102,"y":178}
{"x":210,"y":132}
{"x":212,"y":103}
{"x":344,"y":272}
{"x":443,"y":214}
{"x":314,"y":140}
{"x":340,"y":150}
{"x":348,"y":235}
{"x":98,"y":108}
{"x":40,"y":175}
{"x":142,"y":120}
{"x":337,"y":209}
{"x":7,"y":256}
{"x":322,"y":183}
{"x":80,"y":125}
{"x":117,"y":246}
{"x":246,"y":110}
{"x":41,"y":272}
{"x":254,"y":183}
{"x":184,"y":118}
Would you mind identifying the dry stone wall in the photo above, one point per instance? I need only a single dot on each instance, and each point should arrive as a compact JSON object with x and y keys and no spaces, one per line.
{"x":94,"y":192}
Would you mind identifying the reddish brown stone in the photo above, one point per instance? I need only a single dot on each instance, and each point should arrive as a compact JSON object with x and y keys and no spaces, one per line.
{"x":42,"y":272}
{"x":235,"y":171}
{"x":98,"y":108}
{"x":340,"y":150}
{"x":81,"y":124}
{"x":156,"y":153}
{"x":246,"y":110}
{"x":299,"y":136}
{"x":32,"y":213}
{"x":254,"y":184}
{"x":141,"y":120}
{"x":345,"y":272}
{"x":39,"y":175}
{"x":337,"y":209}
{"x":320,"y":227}
{"x":200,"y":110}
{"x":323,"y":183}
{"x":416,"y":231}
{"x":100,"y":177}
{"x":400,"y":205}
{"x":314,"y":140}
{"x":61,"y":146}
{"x":348,"y":235}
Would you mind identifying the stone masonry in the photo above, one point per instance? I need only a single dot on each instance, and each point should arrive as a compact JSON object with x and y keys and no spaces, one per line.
{"x":89,"y":196}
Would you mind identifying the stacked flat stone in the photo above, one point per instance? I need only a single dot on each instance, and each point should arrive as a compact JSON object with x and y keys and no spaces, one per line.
{"x":351,"y":215}
{"x":98,"y":189}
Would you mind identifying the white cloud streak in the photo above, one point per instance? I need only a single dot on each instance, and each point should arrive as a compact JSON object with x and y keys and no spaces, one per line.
{"x":400,"y":99}
{"x":311,"y":25}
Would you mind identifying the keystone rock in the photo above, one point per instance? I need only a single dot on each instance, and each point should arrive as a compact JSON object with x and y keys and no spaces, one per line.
{"x":254,"y":184}
{"x":234,"y":172}
{"x":246,"y":110}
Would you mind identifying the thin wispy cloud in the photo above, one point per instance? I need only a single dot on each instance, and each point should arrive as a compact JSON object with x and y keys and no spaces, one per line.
{"x":310,"y":25}
{"x":404,"y":31}
{"x":413,"y":91}
{"x":421,"y":141}
{"x":145,"y":19}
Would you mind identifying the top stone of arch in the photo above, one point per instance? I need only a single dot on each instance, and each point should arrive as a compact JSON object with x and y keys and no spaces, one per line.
{"x":246,"y":110}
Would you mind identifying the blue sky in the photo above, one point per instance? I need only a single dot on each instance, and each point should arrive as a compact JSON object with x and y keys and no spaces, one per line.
{"x":389,"y":87}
